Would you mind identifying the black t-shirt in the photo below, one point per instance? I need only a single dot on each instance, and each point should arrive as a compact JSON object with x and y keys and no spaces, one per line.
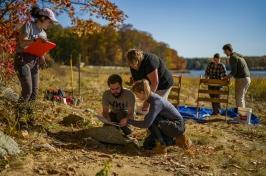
{"x":149,"y":63}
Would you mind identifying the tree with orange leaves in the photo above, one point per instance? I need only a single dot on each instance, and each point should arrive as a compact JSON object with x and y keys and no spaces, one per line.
{"x":14,"y":13}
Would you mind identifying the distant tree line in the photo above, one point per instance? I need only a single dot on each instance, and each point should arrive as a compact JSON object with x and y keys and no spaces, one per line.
{"x":109,"y":46}
{"x":254,"y":63}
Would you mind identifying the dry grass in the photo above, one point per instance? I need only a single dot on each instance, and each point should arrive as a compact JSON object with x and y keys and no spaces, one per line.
{"x":219,"y":148}
{"x":257,"y":89}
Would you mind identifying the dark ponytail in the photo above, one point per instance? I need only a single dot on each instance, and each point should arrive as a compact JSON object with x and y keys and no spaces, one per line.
{"x":35,"y":12}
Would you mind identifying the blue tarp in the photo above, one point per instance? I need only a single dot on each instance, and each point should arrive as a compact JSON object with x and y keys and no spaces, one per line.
{"x":189,"y":112}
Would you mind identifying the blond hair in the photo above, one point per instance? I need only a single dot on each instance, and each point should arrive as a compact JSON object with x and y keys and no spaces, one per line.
{"x":134,"y":56}
{"x":142,"y":86}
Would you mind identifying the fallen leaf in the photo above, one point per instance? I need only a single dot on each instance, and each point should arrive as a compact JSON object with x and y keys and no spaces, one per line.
{"x":52,"y":171}
{"x":254,"y":162}
{"x":105,"y":156}
{"x":201,"y":167}
{"x":119,"y":165}
{"x":236,"y":166}
{"x":72,"y":169}
{"x":25,"y":134}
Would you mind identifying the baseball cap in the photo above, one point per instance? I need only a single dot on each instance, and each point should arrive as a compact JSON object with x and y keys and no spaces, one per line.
{"x":49,"y":13}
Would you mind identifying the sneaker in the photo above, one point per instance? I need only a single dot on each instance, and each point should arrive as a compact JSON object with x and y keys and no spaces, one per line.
{"x":183,"y":141}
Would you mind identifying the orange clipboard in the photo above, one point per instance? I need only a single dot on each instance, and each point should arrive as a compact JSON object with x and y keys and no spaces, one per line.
{"x":39,"y":47}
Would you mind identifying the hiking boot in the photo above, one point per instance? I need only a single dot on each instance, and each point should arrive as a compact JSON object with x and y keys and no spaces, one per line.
{"x":183,"y":141}
{"x":159,"y":149}
{"x":22,"y":126}
{"x":31,"y":122}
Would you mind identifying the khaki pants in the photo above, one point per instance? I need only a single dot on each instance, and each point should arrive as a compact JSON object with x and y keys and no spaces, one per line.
{"x":139,"y":104}
{"x":241,"y":88}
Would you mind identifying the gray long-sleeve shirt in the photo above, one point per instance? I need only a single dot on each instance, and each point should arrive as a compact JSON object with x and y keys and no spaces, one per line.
{"x":158,"y":107}
{"x":239,"y":68}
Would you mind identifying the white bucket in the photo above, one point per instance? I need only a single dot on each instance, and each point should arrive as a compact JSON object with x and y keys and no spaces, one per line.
{"x":245,"y":115}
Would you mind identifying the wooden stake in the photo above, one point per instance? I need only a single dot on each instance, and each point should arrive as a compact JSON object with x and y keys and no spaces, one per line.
{"x":79,"y":60}
{"x":71,"y":70}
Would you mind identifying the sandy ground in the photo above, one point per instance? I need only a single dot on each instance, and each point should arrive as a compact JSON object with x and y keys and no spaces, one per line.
{"x":219,"y":148}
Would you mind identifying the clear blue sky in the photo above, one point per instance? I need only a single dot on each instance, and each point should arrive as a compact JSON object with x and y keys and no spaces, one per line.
{"x":199,"y":28}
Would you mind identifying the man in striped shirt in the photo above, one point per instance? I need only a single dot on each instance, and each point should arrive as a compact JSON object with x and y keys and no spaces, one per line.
{"x":215,"y":70}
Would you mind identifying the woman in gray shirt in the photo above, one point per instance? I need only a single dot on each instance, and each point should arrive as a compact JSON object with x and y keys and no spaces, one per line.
{"x":165,"y":123}
{"x":27,"y":65}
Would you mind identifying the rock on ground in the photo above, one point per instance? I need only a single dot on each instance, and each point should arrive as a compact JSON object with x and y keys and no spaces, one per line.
{"x":8,"y":145}
{"x":72,"y":119}
{"x":8,"y":93}
{"x":105,"y":134}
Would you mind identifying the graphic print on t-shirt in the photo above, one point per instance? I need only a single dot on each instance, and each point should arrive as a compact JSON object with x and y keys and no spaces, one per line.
{"x":118,"y":104}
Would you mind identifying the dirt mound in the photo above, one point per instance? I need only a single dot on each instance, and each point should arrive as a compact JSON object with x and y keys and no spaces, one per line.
{"x":73,"y":120}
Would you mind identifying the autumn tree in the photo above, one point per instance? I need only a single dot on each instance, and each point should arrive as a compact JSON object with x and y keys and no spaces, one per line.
{"x":14,"y":13}
{"x":110,"y":45}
